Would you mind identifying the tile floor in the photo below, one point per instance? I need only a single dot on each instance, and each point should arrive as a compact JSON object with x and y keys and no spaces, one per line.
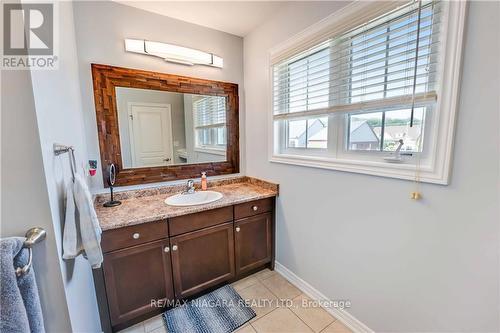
{"x":269,"y":288}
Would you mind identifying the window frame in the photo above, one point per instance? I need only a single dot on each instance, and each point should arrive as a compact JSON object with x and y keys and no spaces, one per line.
{"x":434,"y":163}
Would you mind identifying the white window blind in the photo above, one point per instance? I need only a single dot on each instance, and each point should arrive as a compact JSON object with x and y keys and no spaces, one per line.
{"x":210,"y":121}
{"x":210,"y":111}
{"x":390,"y":61}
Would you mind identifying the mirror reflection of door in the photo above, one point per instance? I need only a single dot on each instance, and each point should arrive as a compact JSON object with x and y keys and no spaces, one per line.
{"x":163,"y":128}
{"x":150,"y":128}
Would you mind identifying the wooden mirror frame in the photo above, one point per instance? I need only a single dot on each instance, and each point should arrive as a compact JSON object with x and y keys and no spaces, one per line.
{"x":107,"y":78}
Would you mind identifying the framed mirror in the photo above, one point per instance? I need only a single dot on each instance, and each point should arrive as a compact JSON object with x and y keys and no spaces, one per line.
{"x":158,"y":127}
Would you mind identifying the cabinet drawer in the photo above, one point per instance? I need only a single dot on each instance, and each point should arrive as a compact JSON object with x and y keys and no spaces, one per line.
{"x":253,"y":208}
{"x":187,"y":223}
{"x":134,"y":235}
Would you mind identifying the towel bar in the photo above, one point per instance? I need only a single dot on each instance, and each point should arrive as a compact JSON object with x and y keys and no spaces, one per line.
{"x":61,"y":149}
{"x":33,"y":236}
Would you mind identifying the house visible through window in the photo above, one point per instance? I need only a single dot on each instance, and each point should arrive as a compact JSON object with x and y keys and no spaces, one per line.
{"x":381,"y":131}
{"x":308,"y":133}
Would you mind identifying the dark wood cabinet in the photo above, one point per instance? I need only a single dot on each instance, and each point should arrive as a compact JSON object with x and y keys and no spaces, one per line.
{"x":136,"y":275}
{"x":253,"y":242}
{"x":192,"y":222}
{"x":202,"y":259}
{"x":179,"y":258}
{"x":133,"y":235}
{"x":252,"y":208}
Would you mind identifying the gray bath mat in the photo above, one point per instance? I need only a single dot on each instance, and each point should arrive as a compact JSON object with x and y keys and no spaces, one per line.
{"x":220,"y":311}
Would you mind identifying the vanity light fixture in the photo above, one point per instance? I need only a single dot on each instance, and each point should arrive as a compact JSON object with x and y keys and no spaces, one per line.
{"x":173,"y":53}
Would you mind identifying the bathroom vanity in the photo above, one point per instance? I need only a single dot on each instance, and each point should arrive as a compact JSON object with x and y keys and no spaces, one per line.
{"x":157,"y":127}
{"x":155,"y":253}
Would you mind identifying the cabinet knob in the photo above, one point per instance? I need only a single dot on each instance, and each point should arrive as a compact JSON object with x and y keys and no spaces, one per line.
{"x":136,"y":235}
{"x":255,"y":208}
{"x":166,"y":249}
{"x":238,"y":229}
{"x":174,"y":248}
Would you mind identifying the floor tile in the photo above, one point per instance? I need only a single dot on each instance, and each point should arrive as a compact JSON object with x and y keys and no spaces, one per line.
{"x":281,"y":287}
{"x":159,"y":330}
{"x":280,"y":320}
{"x":153,"y":323}
{"x":336,"y":327}
{"x":264,"y":290}
{"x":245,"y":283}
{"x":245,"y":329}
{"x":138,"y":328}
{"x":264,"y":274}
{"x":311,"y":313}
{"x":260,"y":298}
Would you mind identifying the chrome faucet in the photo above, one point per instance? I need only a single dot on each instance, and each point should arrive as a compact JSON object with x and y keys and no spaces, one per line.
{"x":189,"y":187}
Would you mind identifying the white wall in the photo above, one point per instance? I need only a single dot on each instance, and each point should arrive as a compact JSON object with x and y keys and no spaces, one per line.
{"x":176,"y":101}
{"x":430,"y":265}
{"x":101,"y":28}
{"x":59,"y":112}
{"x":24,"y":198}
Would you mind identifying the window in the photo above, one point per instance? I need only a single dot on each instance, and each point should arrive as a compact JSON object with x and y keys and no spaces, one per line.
{"x":210,"y":122}
{"x":308,"y":133}
{"x":369,"y":90}
{"x":383,"y":130}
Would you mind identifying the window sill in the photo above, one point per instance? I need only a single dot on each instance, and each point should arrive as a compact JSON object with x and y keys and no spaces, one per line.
{"x":404,"y":171}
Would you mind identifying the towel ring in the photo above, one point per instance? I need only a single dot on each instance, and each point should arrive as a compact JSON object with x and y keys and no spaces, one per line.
{"x":33,"y":236}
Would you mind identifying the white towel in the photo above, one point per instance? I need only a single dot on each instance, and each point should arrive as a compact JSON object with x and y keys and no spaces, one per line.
{"x":72,"y":246}
{"x":82,"y":232}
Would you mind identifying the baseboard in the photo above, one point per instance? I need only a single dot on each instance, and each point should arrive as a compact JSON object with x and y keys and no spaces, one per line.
{"x":342,"y":315}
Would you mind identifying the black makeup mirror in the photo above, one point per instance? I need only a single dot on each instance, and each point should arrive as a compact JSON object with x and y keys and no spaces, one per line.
{"x":111,"y":182}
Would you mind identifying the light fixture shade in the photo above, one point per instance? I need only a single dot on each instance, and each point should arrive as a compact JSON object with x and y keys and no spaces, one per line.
{"x":135,"y":45}
{"x":217,"y":61}
{"x":178,"y":52}
{"x":173,"y":53}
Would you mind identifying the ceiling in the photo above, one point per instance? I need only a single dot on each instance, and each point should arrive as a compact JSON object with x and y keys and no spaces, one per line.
{"x":234,"y":17}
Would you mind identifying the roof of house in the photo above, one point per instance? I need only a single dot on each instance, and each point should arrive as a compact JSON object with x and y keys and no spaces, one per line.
{"x":361,"y":131}
{"x":396,"y":132}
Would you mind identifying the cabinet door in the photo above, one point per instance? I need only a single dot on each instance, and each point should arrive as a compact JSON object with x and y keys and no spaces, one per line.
{"x":201,"y":259}
{"x":253,"y":242}
{"x":136,"y":275}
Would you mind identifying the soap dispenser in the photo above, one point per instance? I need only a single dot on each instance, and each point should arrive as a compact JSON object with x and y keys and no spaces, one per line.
{"x":204,"y":181}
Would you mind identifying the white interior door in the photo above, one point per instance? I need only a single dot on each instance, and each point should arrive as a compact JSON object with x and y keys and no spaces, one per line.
{"x":150,"y":134}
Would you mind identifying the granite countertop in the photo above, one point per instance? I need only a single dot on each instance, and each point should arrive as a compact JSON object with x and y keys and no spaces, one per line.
{"x":148,"y":205}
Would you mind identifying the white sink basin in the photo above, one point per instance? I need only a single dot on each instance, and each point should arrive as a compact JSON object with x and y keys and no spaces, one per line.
{"x":196,"y":198}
